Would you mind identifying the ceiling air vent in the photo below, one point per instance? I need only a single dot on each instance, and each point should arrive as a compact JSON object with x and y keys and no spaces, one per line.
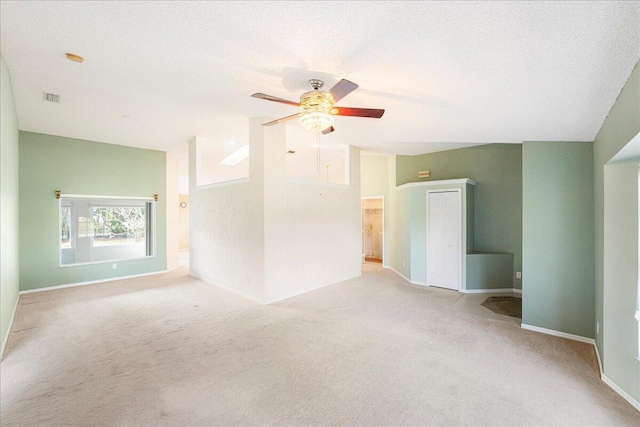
{"x":52,"y":97}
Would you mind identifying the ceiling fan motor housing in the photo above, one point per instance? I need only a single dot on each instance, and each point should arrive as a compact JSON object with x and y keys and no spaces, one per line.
{"x":316,"y":84}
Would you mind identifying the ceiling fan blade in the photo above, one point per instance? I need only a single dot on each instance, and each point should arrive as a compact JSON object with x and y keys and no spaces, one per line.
{"x":374,"y":113}
{"x":284,"y":119}
{"x":275,"y":99}
{"x":342,"y":89}
{"x":328,"y":130}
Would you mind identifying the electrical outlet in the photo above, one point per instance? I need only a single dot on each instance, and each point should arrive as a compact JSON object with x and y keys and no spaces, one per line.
{"x":115,"y":266}
{"x":518,"y":275}
{"x":597,"y":327}
{"x":403,"y":263}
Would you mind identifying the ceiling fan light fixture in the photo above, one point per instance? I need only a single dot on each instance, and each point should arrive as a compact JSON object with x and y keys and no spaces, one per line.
{"x":316,"y":121}
{"x":317,"y":101}
{"x":316,"y":105}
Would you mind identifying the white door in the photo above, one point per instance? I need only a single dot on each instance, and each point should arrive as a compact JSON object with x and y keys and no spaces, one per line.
{"x":444,"y":223}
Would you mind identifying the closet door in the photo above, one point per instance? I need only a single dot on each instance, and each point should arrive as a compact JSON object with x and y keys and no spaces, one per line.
{"x":444,"y":242}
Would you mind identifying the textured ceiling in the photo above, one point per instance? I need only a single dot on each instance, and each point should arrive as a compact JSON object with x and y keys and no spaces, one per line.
{"x":449,"y":74}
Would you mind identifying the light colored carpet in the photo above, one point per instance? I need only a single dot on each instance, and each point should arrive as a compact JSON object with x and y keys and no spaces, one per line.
{"x":172,"y":350}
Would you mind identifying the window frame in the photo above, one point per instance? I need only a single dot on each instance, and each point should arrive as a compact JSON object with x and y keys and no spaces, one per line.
{"x":150,"y":238}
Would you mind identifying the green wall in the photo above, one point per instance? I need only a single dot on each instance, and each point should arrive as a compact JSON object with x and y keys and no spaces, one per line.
{"x":392,"y":217}
{"x":497,"y":209}
{"x":374,"y":175}
{"x":375,"y":180}
{"x":418,"y":219}
{"x":489,"y":271}
{"x":401,"y":236}
{"x":558,"y":283}
{"x":621,"y":275}
{"x":621,"y":125}
{"x":9,"y":279}
{"x":49,"y":163}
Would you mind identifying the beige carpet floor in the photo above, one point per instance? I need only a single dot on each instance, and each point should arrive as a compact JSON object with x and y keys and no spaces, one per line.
{"x":172,"y":350}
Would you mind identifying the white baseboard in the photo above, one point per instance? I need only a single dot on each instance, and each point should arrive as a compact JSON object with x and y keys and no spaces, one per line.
{"x":595,"y":347}
{"x":491,"y":291}
{"x":93,"y":282}
{"x":312,"y":289}
{"x":259,"y":301}
{"x":226,"y":288}
{"x":558,"y":334}
{"x":398,"y":273}
{"x":413,"y":282}
{"x":626,"y":396}
{"x":13,"y":316}
{"x":467,"y":291}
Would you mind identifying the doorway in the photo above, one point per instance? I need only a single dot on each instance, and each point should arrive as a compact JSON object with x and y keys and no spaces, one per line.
{"x":444,"y":238}
{"x":373,"y":229}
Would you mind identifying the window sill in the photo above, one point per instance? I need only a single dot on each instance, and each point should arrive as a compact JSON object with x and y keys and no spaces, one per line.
{"x":106,"y":261}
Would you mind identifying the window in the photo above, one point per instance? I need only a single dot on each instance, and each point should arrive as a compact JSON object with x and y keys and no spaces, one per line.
{"x":96,"y":229}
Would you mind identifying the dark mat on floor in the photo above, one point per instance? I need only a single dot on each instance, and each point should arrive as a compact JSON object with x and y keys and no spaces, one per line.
{"x":509,"y":306}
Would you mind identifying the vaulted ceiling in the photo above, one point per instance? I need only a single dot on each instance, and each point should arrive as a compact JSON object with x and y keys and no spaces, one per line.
{"x":449,"y":74}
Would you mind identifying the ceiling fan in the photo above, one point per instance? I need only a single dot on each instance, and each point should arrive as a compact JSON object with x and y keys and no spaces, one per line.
{"x":318,"y":109}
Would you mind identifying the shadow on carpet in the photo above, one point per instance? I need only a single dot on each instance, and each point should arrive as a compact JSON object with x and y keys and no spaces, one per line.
{"x":508,"y":306}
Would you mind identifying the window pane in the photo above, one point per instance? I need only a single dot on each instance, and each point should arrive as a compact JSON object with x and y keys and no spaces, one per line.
{"x":119,"y":226}
{"x":101,"y":230}
{"x":65,"y":227}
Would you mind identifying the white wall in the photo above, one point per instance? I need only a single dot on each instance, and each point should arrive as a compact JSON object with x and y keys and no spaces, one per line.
{"x":173,"y":204}
{"x":183,"y":218}
{"x":9,"y":284}
{"x":210,"y":153}
{"x":303,"y":164}
{"x":312,"y":230}
{"x":269,"y":238}
{"x":392,"y":257}
{"x":226,"y":233}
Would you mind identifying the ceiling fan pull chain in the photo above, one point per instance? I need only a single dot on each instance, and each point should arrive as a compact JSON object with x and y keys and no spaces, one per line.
{"x":318,"y":154}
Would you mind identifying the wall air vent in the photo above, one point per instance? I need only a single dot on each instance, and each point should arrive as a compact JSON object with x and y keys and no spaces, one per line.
{"x":52,"y":97}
